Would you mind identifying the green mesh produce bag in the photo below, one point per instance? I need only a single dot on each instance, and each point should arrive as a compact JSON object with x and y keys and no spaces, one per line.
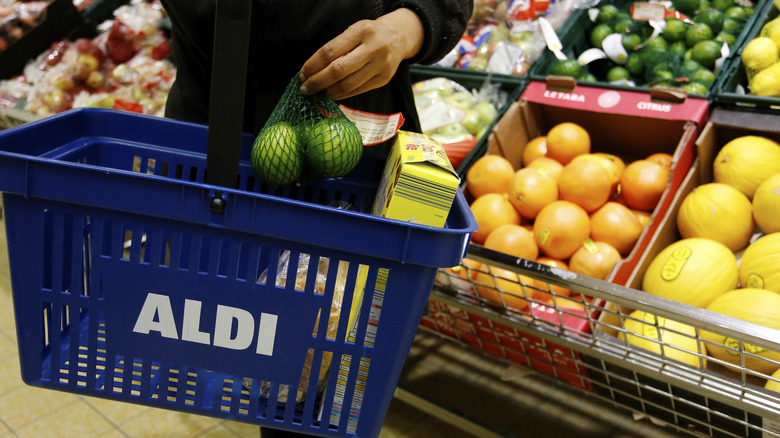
{"x":305,"y":137}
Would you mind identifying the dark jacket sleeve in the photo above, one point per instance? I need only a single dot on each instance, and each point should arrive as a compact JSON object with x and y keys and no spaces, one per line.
{"x":444,"y":22}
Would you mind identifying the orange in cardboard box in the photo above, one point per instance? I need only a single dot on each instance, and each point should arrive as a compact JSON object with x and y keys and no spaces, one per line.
{"x":560,"y":228}
{"x":586,"y":183}
{"x":616,"y":224}
{"x":567,"y":140}
{"x":531,"y":189}
{"x":491,"y":211}
{"x":643,"y":183}
{"x":489,"y":174}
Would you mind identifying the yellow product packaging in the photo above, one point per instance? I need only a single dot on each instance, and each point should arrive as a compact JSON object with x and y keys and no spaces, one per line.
{"x":419,"y":183}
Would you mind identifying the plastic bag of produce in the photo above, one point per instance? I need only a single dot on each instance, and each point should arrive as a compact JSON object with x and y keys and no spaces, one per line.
{"x":301,"y":273}
{"x":305,"y":137}
{"x":455,"y":116}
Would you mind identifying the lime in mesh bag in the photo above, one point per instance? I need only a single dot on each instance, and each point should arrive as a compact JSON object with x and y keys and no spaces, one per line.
{"x":305,"y":137}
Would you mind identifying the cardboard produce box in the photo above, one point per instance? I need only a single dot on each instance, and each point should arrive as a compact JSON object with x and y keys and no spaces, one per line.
{"x":722,"y":127}
{"x":631,"y":125}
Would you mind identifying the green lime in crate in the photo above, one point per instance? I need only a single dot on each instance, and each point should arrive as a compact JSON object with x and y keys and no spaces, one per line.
{"x":638,"y":45}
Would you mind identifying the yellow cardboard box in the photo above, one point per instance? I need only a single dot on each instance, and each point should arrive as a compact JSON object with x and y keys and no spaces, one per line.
{"x":419,"y":183}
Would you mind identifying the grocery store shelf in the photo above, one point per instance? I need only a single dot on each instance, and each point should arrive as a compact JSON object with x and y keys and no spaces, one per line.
{"x":707,"y":400}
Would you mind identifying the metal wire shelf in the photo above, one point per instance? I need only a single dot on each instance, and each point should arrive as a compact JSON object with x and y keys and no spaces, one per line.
{"x":580,"y":337}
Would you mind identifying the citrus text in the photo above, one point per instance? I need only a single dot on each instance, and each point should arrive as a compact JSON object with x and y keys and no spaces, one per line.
{"x":650,"y":106}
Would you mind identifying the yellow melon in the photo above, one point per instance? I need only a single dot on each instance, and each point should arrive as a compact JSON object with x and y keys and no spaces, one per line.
{"x":760,"y":264}
{"x":718,"y":212}
{"x":773,"y":385}
{"x":662,"y":332}
{"x":758,"y":306}
{"x":746,"y":162}
{"x":766,"y":205}
{"x":692,"y":271}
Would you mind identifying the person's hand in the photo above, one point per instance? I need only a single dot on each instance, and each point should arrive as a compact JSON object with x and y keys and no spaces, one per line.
{"x":364,"y":57}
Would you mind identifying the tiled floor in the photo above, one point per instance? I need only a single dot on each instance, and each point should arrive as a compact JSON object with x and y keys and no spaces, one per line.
{"x":467,"y":383}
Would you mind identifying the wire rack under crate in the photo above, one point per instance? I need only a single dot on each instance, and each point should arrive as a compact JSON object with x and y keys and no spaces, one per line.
{"x":578,"y":335}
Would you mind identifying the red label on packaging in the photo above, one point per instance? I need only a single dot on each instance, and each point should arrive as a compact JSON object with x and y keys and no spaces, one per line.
{"x":471,"y":340}
{"x":541,"y":6}
{"x":374,"y":128}
{"x":632,"y":103}
{"x":479,"y":320}
{"x":511,"y":343}
{"x":505,"y":329}
{"x":575,"y":320}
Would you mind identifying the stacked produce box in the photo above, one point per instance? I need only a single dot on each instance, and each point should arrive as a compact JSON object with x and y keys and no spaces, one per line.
{"x":716,"y":249}
{"x":571,"y":216}
{"x":684,"y":328}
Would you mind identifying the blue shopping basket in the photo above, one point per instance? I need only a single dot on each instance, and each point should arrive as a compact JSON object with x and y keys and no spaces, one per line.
{"x":150,"y":265}
{"x":127,"y":287}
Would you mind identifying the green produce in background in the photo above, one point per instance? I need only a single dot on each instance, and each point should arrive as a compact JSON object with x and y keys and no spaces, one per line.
{"x":684,"y":52}
{"x":761,"y":62}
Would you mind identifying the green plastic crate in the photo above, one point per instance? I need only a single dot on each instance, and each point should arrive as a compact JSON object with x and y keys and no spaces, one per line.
{"x":732,"y":89}
{"x":575,"y":39}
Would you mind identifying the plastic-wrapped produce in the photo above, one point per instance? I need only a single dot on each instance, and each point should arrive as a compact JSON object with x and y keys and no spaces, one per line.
{"x":124,"y":67}
{"x":504,"y":36}
{"x":455,"y":116}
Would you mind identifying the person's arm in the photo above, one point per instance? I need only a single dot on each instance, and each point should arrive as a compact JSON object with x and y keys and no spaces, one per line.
{"x":365,"y":56}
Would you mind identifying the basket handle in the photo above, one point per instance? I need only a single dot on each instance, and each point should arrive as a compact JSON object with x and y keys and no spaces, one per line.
{"x":226,"y":108}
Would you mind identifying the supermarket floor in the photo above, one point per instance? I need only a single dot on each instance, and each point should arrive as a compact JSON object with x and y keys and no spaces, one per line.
{"x":470,"y":385}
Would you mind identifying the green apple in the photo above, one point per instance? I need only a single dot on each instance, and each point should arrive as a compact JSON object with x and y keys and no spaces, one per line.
{"x":478,"y":63}
{"x":472,"y":121}
{"x":461,"y":99}
{"x":487,"y":112}
{"x":450,"y":131}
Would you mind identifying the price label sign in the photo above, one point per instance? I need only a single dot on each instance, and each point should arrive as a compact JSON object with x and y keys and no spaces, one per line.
{"x":645,"y":11}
